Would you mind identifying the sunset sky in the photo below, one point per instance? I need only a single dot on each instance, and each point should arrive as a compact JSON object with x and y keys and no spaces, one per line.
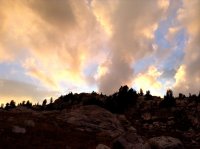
{"x":52,"y":47}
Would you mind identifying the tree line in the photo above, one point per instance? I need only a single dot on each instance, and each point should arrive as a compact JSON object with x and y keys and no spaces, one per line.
{"x":116,"y":103}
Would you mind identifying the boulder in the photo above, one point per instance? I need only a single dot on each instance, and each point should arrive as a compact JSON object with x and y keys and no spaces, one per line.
{"x":102,"y":146}
{"x":147,"y":116}
{"x":93,"y":119}
{"x":126,"y":124}
{"x":165,"y":142}
{"x":129,"y":140}
{"x":29,"y":123}
{"x":17,"y":129}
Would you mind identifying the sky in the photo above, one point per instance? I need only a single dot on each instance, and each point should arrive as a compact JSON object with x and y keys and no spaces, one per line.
{"x":49,"y":48}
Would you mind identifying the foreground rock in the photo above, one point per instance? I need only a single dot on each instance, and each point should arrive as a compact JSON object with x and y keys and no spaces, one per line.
{"x":85,"y":127}
{"x":17,"y":129}
{"x":165,"y":142}
{"x":81,"y":127}
{"x":129,"y":140}
{"x":102,"y":146}
{"x":93,"y":119}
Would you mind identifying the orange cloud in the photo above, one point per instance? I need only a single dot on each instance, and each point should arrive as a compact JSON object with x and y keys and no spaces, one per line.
{"x":188,"y":75}
{"x":172,"y":31}
{"x":56,"y":40}
{"x":180,"y":76}
{"x":103,"y":10}
{"x":19,"y":91}
{"x":164,"y":4}
{"x":148,"y":80}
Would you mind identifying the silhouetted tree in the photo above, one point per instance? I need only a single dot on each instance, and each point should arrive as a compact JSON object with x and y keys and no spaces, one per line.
{"x":51,"y":100}
{"x":23,"y":103}
{"x":94,"y":93}
{"x":169,"y":100}
{"x":190,"y":95}
{"x":2,"y":106}
{"x":44,"y":103}
{"x":28,"y":104}
{"x":12,"y":104}
{"x":123,"y":89}
{"x":169,"y":93}
{"x":193,"y":98}
{"x":198,"y":98}
{"x":141,"y":92}
{"x":132,"y":96}
{"x":121,"y":100}
{"x":7,"y":107}
{"x":50,"y":106}
{"x":181,"y":96}
{"x":148,"y":95}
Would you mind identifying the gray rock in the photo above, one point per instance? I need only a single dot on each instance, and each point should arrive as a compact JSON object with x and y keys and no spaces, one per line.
{"x":170,"y":123}
{"x":146,"y":116}
{"x":29,"y":123}
{"x":102,"y":146}
{"x":156,"y":124}
{"x":126,"y":124}
{"x":129,"y":141}
{"x":165,"y":142}
{"x":93,"y":119}
{"x":17,"y":129}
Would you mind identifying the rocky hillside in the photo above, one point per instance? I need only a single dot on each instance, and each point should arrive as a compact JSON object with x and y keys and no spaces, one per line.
{"x":85,"y":127}
{"x":124,"y":120}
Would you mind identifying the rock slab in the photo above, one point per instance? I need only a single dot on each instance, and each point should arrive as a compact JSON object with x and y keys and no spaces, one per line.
{"x":165,"y":142}
{"x":94,"y":119}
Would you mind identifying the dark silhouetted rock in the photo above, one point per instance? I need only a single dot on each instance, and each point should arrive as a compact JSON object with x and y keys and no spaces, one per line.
{"x":129,"y":140}
{"x":165,"y":142}
{"x":102,"y":146}
{"x":95,"y":119}
{"x":17,"y":129}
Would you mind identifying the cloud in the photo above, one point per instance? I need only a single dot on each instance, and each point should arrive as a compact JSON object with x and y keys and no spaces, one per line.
{"x":63,"y":38}
{"x":57,"y":13}
{"x":35,"y":70}
{"x":189,"y":16}
{"x":172,"y":32}
{"x":59,"y":37}
{"x":149,"y":80}
{"x":10,"y":89}
{"x":131,"y":26}
{"x":70,"y":44}
{"x":164,"y":4}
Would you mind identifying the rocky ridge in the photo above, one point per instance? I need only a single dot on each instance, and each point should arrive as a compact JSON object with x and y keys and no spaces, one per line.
{"x":124,"y":120}
{"x":82,"y":127}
